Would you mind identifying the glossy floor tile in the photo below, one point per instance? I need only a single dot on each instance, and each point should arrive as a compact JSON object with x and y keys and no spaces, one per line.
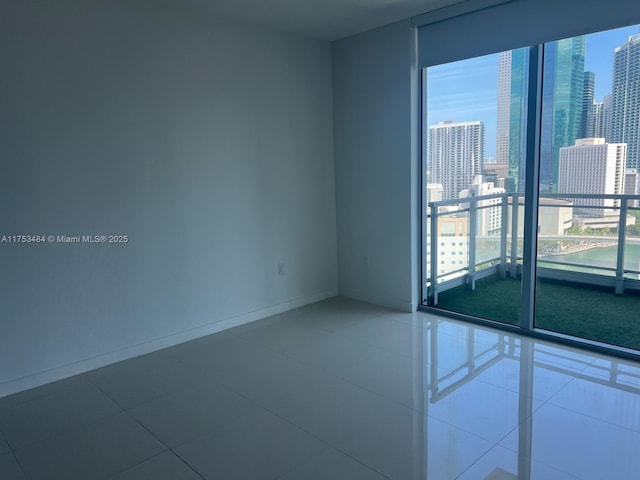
{"x":577,"y":444}
{"x":4,"y":447}
{"x":182,"y":416}
{"x":99,"y":450}
{"x":260,"y":445}
{"x":146,"y":378}
{"x":332,"y":464}
{"x":166,"y":466}
{"x":503,"y":464}
{"x":45,"y":417}
{"x":335,"y":390}
{"x":9,"y":468}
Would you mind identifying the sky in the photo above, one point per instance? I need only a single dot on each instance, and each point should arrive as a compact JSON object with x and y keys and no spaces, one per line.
{"x":468,"y":90}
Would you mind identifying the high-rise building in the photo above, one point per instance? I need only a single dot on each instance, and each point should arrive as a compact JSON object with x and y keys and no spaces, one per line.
{"x":504,"y":102}
{"x":596,"y":116}
{"x":602,"y":119}
{"x":512,"y":89}
{"x":625,"y":107}
{"x":455,"y":154}
{"x":562,"y":101}
{"x":632,"y":184}
{"x":587,"y":122}
{"x":592,"y":166}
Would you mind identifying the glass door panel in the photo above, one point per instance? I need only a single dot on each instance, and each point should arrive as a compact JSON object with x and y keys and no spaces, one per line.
{"x":587,"y":258}
{"x":473,"y":138}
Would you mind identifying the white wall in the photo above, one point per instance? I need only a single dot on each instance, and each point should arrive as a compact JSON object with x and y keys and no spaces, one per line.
{"x":375,"y":114}
{"x":210,"y":146}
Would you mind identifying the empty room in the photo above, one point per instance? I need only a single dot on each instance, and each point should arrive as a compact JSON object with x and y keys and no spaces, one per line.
{"x":338,"y":239}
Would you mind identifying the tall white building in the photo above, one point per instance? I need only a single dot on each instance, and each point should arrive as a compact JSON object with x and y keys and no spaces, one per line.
{"x":455,"y":153}
{"x":625,"y":108}
{"x":504,"y":107}
{"x":592,"y":166}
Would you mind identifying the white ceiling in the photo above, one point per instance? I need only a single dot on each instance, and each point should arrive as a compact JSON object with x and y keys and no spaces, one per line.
{"x":323,"y":19}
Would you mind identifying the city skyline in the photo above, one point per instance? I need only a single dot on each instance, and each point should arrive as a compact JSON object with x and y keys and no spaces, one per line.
{"x":453,"y":97}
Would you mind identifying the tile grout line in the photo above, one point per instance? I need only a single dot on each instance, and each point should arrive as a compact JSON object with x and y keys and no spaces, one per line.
{"x":68,"y":430}
{"x":477,"y":460}
{"x":531,"y":416}
{"x":265,"y":408}
{"x":167,"y":448}
{"x":341,"y":452}
{"x":24,"y":472}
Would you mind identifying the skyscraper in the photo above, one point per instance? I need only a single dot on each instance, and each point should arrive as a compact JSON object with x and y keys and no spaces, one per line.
{"x":504,"y":103}
{"x":593,"y":166}
{"x":562,"y":101}
{"x":625,"y":107}
{"x":602,"y":127}
{"x":455,"y":153}
{"x":512,"y":88}
{"x":632,"y":184}
{"x":587,"y":123}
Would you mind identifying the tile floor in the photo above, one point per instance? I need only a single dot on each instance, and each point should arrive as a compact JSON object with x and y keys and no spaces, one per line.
{"x":335,"y":390}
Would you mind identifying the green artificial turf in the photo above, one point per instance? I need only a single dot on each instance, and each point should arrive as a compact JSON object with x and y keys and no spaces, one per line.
{"x":581,"y":310}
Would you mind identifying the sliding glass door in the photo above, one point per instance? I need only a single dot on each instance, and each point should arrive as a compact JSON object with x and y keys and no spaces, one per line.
{"x":530,"y":181}
{"x":473,"y":138}
{"x":588,"y":243}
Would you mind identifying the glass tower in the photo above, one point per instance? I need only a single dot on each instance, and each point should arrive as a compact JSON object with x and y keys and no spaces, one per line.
{"x":562,"y":101}
{"x":587,"y":124}
{"x":519,"y":68}
{"x":512,"y":91}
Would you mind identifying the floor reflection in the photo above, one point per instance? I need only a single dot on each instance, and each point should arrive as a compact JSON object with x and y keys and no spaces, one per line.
{"x":548,"y":411}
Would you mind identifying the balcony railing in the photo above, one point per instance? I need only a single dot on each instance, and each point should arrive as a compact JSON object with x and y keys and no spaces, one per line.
{"x":474,"y":237}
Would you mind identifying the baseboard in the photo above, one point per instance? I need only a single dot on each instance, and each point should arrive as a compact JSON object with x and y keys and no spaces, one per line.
{"x":82,"y":366}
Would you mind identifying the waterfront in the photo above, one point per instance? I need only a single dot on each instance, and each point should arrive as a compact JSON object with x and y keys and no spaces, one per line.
{"x":600,"y":259}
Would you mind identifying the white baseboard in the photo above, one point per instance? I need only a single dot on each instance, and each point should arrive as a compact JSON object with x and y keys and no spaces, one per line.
{"x":82,"y":366}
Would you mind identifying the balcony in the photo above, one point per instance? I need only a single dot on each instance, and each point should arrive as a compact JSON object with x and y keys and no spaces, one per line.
{"x":588,"y":262}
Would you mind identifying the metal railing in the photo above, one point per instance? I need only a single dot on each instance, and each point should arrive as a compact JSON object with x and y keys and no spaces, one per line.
{"x":492,"y":222}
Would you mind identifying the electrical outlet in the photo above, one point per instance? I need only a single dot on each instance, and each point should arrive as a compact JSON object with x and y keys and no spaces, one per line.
{"x":281,"y":269}
{"x":366,"y":262}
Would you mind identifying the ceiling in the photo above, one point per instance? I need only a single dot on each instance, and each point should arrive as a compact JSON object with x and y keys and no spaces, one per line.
{"x":322,"y":19}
